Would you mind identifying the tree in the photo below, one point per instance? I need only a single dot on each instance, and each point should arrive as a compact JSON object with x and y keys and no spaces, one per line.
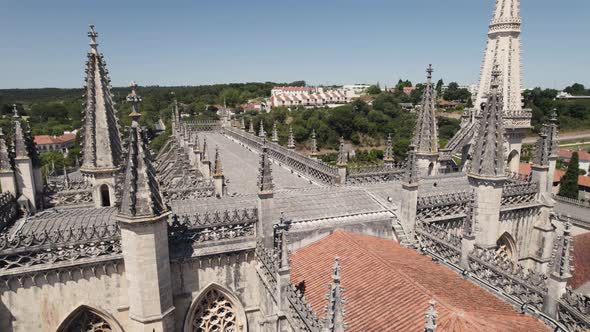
{"x":374,"y":90}
{"x":439,"y":86}
{"x":569,"y":182}
{"x":576,"y":89}
{"x":453,"y":92}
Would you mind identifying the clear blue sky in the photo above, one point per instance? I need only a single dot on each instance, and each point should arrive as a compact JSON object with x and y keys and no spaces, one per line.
{"x":44,"y":43}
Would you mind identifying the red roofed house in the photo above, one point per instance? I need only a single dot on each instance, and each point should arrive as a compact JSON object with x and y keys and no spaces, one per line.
{"x":565,"y":155}
{"x":55,"y":143}
{"x":386,"y":287}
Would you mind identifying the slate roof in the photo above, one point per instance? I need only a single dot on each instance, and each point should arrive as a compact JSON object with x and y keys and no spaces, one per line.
{"x":387,"y":288}
{"x":64,"y":218}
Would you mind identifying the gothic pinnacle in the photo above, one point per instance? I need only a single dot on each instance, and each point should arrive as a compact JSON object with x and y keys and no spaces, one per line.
{"x":314,"y":143}
{"x":334,"y":321}
{"x":275,"y":134}
{"x":426,"y":133}
{"x":217,"y":170}
{"x":291,"y":142}
{"x":562,"y":258}
{"x":264,"y":171}
{"x":251,"y":129}
{"x":134,"y":99}
{"x":488,"y":152}
{"x":388,"y":152}
{"x":141,"y":192}
{"x":93,"y":34}
{"x":342,"y":155}
{"x":261,"y":132}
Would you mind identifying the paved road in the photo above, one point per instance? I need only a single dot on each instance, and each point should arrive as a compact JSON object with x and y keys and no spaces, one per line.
{"x":240,"y":166}
{"x":561,"y":138}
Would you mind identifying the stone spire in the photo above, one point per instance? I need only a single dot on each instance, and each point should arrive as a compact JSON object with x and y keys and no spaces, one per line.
{"x":426,"y":137}
{"x":251,"y":130}
{"x":388,"y":151}
{"x":342,"y":155}
{"x":552,"y":134}
{"x":20,"y":146}
{"x":431,"y":316}
{"x":141,"y":192}
{"x":217,"y":170}
{"x":242,"y":124}
{"x":562,"y":258}
{"x":281,"y":244}
{"x":503,"y":50}
{"x":102,"y":143}
{"x":334,"y":321}
{"x":265,"y":183}
{"x":314,"y":143}
{"x":488,"y":152}
{"x":261,"y":132}
{"x":542,"y":149}
{"x":275,"y":134}
{"x":5,"y":164}
{"x":291,"y":141}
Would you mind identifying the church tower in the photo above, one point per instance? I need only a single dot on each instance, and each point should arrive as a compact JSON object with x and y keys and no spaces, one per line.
{"x":503,"y":49}
{"x":102,"y":143}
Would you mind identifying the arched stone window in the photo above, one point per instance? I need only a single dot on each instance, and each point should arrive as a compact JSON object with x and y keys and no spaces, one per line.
{"x":513,"y":161}
{"x":507,"y":247}
{"x":87,"y":319}
{"x":105,"y":196}
{"x":215,"y":310}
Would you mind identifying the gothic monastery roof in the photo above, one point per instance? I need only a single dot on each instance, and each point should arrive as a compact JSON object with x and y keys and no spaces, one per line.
{"x":386,"y":285}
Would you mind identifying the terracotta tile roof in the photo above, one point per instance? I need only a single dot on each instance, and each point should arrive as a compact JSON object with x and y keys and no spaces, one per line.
{"x":567,"y":154}
{"x":524,"y":169}
{"x":581,"y":274}
{"x":47,"y":139}
{"x":387,"y":288}
{"x":583,"y":181}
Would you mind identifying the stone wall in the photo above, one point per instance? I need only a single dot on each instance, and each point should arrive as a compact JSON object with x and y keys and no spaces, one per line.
{"x":233,"y":272}
{"x":45,"y":306}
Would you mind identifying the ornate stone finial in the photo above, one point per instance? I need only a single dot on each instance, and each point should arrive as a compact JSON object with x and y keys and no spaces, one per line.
{"x":15,"y":111}
{"x":314,"y":143}
{"x":92,"y":34}
{"x":552,"y":135}
{"x":388,"y":151}
{"x":488,"y":151}
{"x":134,"y":99}
{"x":251,"y":130}
{"x":242,"y":124}
{"x":261,"y":132}
{"x":218,"y":171}
{"x":426,"y":133}
{"x":342,"y":154}
{"x":429,"y":72}
{"x":334,"y":321}
{"x":431,"y":316}
{"x":265,"y":183}
{"x":411,"y":176}
{"x":562,"y":258}
{"x":275,"y":134}
{"x":291,"y":141}
{"x":542,"y":149}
